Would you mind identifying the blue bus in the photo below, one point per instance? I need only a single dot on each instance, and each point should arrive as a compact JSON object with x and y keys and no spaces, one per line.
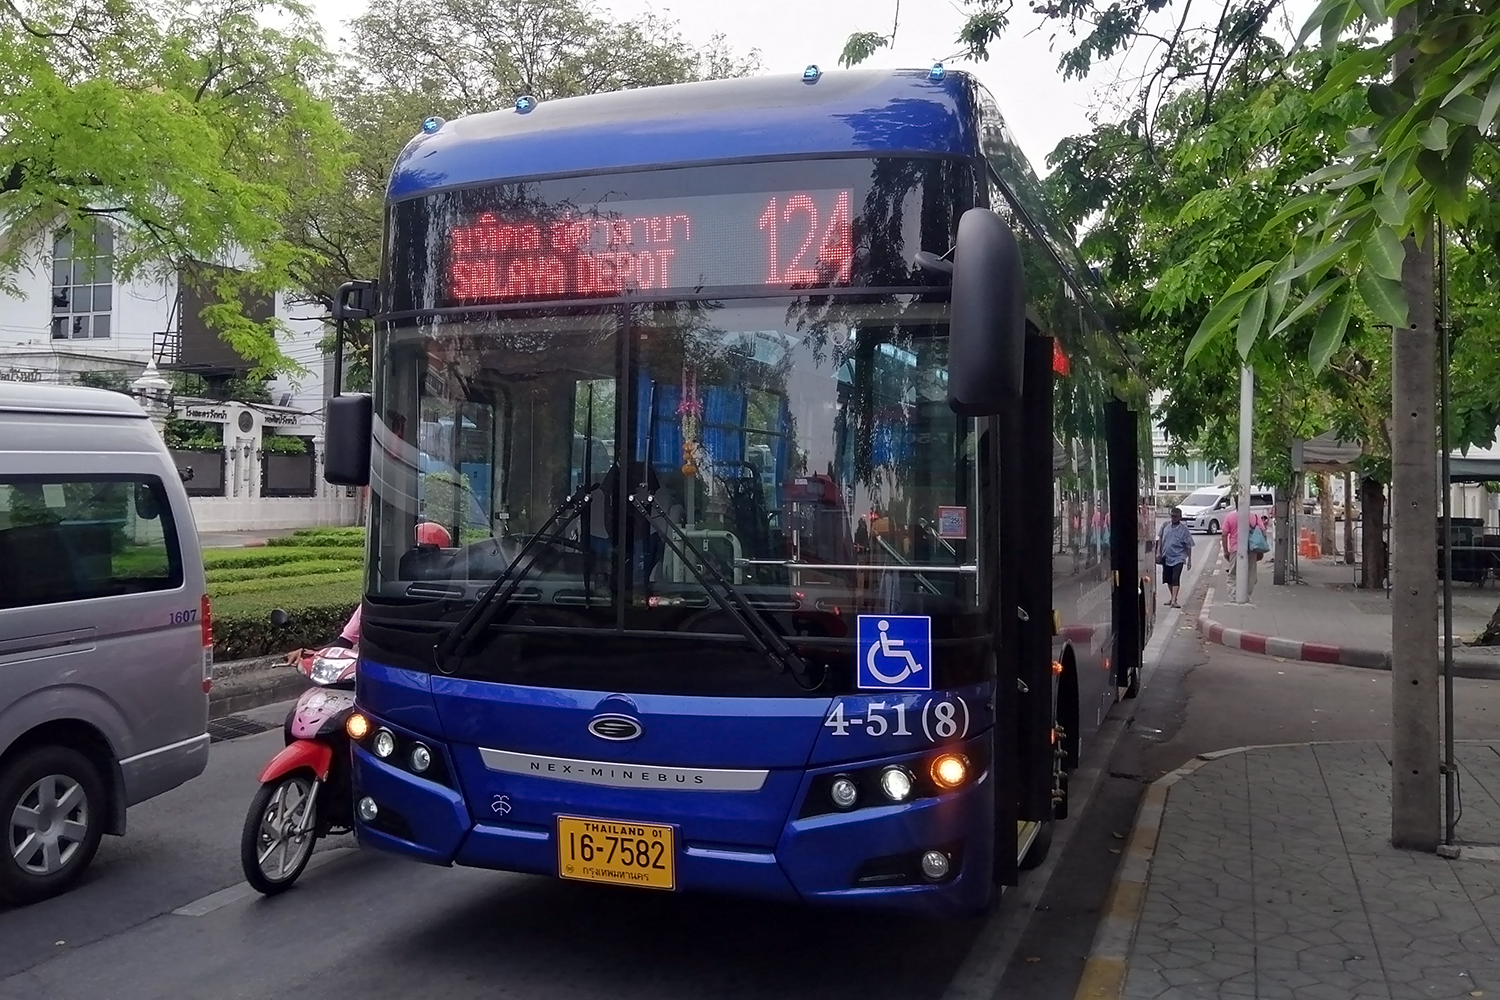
{"x":803,"y":532}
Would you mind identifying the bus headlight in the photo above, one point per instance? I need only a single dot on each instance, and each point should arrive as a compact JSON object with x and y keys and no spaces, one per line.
{"x":358,"y":726}
{"x":421,"y":758}
{"x":844,"y":792}
{"x":950,"y":770}
{"x":385,"y":744}
{"x":896,"y":783}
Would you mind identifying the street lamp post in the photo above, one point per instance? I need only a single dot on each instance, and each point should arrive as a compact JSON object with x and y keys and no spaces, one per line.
{"x":153,"y":392}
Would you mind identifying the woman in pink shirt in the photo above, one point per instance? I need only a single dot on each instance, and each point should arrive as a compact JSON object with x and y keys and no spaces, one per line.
{"x":1230,"y":540}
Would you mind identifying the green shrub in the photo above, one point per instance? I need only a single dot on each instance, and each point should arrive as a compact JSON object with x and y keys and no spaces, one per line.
{"x":278,"y":584}
{"x":356,"y":542}
{"x":277,"y":571}
{"x":217,"y":559}
{"x":242,"y":622}
{"x":342,"y":531}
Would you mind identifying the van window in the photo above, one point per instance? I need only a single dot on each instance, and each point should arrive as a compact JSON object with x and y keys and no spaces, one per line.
{"x":73,"y":538}
{"x":1203,"y":498}
{"x":1261,"y":500}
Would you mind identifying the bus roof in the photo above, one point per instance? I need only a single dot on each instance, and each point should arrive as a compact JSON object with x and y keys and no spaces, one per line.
{"x":879,"y":112}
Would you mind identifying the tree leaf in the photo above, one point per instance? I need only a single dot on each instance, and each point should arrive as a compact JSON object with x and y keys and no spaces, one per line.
{"x":1435,"y":135}
{"x":1333,"y":25}
{"x":1329,"y":333}
{"x":1396,"y":169}
{"x":1384,"y":253}
{"x":1249,"y":277}
{"x":1374,"y":10}
{"x":1251,"y":319}
{"x":1313,"y":300}
{"x":1462,"y":87}
{"x":1217,"y":319}
{"x":1327,"y":173}
{"x":1383,"y":296}
{"x":1358,"y":177}
{"x":1276,"y":300}
{"x":1296,"y":206}
{"x":860,"y":46}
{"x":1392,"y":206}
{"x":1319,"y":258}
{"x":1491,"y":106}
{"x":1384,"y":100}
{"x":1464,"y":110}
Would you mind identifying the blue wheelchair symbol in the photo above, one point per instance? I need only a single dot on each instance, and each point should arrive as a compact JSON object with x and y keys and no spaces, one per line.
{"x":895,"y":652}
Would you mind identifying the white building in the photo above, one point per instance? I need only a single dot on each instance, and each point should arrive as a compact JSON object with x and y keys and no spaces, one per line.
{"x":72,"y":316}
{"x":1176,"y":480}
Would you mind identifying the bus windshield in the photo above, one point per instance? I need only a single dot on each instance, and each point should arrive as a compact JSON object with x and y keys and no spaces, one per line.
{"x":803,"y":451}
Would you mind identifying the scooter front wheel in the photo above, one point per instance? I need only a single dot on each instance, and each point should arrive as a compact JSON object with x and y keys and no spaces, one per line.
{"x":279,"y":833}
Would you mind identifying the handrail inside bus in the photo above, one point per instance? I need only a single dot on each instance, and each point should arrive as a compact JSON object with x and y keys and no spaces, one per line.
{"x":969,"y":568}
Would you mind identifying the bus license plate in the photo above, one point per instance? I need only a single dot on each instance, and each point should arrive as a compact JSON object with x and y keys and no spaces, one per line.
{"x":600,"y":850}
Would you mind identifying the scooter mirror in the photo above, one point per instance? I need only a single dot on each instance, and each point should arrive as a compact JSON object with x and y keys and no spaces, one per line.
{"x":280,"y":618}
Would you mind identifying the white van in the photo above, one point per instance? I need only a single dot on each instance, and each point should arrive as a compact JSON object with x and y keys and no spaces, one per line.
{"x":105,"y":635}
{"x":1204,"y":510}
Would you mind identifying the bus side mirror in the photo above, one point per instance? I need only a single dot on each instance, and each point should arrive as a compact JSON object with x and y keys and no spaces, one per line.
{"x":987,"y":338}
{"x":347,"y":429}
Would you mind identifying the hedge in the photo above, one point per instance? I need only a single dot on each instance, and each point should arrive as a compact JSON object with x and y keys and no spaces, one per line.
{"x":217,"y":559}
{"x":242,"y":622}
{"x":281,"y":584}
{"x":316,"y":575}
{"x":275,"y":571}
{"x":356,"y":543}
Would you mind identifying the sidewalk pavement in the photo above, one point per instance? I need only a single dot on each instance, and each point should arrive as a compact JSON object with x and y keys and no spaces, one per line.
{"x":1267,"y":872}
{"x":1325,"y":619}
{"x":237,"y":539}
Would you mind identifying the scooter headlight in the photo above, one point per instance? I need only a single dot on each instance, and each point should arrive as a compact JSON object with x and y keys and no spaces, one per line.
{"x":326,"y":670}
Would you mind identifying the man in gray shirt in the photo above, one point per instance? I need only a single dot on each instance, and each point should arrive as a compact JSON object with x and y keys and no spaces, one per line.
{"x":1174,"y":550}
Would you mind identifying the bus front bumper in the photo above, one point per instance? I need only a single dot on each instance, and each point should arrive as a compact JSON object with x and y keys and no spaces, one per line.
{"x":867,"y":857}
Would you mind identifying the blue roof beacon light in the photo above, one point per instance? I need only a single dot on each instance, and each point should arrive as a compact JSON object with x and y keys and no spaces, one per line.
{"x":937,"y":73}
{"x":431,"y":124}
{"x":524,"y":104}
{"x":811,"y":74}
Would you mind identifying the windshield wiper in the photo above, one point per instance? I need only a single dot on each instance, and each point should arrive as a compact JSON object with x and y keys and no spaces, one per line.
{"x":490,"y":603}
{"x":731,"y":601}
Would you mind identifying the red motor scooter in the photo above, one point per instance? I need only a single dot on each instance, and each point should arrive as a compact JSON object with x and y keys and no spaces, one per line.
{"x":304,"y":791}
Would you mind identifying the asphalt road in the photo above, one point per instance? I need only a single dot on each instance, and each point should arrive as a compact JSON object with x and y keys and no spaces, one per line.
{"x":374,"y":926}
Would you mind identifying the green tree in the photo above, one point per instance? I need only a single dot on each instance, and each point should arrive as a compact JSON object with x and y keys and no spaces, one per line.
{"x":187,"y":127}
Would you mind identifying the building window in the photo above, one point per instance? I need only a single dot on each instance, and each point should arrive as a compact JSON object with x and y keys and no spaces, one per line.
{"x":1166,"y":482}
{"x":83,"y":283}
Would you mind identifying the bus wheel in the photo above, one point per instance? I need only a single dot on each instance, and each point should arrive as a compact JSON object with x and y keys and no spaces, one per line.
{"x":1133,"y":684}
{"x":1040,"y":847}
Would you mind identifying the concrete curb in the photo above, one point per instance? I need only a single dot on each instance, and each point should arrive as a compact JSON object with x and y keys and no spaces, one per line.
{"x":1479,"y":667}
{"x":1109,"y":957}
{"x":240,"y":685}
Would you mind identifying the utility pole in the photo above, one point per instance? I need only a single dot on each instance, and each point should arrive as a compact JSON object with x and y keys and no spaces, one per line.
{"x":1242,"y":515}
{"x":1416,"y":785}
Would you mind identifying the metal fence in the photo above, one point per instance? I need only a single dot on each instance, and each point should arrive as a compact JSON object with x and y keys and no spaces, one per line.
{"x":288,"y":475}
{"x":202,"y":471}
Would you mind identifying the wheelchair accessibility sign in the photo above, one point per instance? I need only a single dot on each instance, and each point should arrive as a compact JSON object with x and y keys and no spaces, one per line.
{"x":895,"y":653}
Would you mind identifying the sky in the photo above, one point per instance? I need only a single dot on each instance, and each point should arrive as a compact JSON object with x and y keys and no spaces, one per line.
{"x":1022,"y":71}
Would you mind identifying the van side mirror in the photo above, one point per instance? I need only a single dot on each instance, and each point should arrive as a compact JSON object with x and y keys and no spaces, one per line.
{"x":987,"y":335}
{"x":347,"y":429}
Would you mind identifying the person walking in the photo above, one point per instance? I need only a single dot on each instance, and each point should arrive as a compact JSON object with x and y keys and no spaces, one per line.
{"x":1174,"y":552}
{"x":1257,"y":546}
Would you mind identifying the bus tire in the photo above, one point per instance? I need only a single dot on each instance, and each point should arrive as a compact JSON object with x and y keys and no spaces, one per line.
{"x":1133,"y":683}
{"x":1040,"y":847}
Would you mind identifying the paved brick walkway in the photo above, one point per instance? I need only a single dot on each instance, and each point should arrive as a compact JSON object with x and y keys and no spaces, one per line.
{"x":1272,"y":877}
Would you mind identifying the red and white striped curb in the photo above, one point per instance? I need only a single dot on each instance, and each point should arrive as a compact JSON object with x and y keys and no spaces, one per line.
{"x":1290,"y":649}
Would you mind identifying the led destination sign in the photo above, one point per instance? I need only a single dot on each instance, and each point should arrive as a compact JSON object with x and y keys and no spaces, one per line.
{"x":794,"y":240}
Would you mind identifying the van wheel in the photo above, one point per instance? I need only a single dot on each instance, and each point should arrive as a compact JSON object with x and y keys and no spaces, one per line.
{"x":52,"y":815}
{"x":1213,"y":527}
